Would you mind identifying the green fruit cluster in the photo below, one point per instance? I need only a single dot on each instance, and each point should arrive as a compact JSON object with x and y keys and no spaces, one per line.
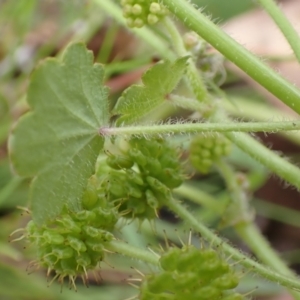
{"x":205,"y":149}
{"x":191,"y":273}
{"x":74,"y":242}
{"x":140,"y":180}
{"x":141,"y":12}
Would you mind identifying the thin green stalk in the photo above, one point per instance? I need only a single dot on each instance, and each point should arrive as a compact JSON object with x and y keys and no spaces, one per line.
{"x":283,"y":24}
{"x":132,"y":252}
{"x":239,"y":210}
{"x":107,"y":44}
{"x":196,"y":82}
{"x":144,"y":33}
{"x":202,"y":127}
{"x":250,"y":264}
{"x":280,"y":166}
{"x":236,"y":53}
{"x":200,"y":197}
{"x":259,"y":245}
{"x":246,"y":229}
{"x":190,"y":104}
{"x":245,"y":108}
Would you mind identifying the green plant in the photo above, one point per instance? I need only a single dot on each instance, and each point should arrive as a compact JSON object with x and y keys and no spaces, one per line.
{"x":92,"y":165}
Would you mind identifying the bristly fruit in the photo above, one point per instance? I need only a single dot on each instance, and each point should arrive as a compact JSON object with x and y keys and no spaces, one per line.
{"x":142,"y":12}
{"x":191,"y":273}
{"x":140,"y":179}
{"x":74,"y":242}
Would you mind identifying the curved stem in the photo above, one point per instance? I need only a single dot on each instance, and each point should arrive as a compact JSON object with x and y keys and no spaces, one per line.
{"x":247,"y":230}
{"x":283,"y":24}
{"x":262,"y":249}
{"x":238,"y":210}
{"x":133,"y":252}
{"x":236,"y":53}
{"x":280,"y":166}
{"x":250,"y":264}
{"x":195,"y":81}
{"x":199,"y":197}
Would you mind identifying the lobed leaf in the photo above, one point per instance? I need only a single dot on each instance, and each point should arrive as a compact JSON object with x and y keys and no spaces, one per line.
{"x":159,"y":81}
{"x":58,"y":140}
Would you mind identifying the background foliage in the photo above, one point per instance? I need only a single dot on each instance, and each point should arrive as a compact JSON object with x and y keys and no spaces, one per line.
{"x":32,"y":30}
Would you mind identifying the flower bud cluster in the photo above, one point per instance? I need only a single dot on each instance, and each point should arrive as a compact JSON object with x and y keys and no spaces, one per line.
{"x":194,"y":274}
{"x":205,"y":149}
{"x":141,"y":12}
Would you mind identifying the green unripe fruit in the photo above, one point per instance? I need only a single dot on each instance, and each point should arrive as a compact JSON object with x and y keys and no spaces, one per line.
{"x":139,"y":182}
{"x":53,"y":238}
{"x":85,"y":215}
{"x":152,"y":19}
{"x":207,"y":293}
{"x":135,"y":177}
{"x":154,"y":8}
{"x":84,"y":260}
{"x":168,"y":260}
{"x":119,"y":162}
{"x":226,"y":281}
{"x":67,"y":224}
{"x":194,"y":274}
{"x":161,"y":283}
{"x":74,"y":242}
{"x":234,"y":296}
{"x":63,"y":253}
{"x":136,"y":9}
{"x":152,"y":200}
{"x":138,"y":157}
{"x":90,"y":195}
{"x":205,"y":149}
{"x":139,"y":12}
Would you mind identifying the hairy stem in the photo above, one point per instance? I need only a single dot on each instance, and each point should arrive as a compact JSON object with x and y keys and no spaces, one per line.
{"x":250,"y":264}
{"x":200,"y":197}
{"x":239,"y":210}
{"x":262,"y":249}
{"x":202,"y":127}
{"x":280,"y":166}
{"x":195,"y":81}
{"x":236,"y":53}
{"x":283,"y":24}
{"x":246,"y":229}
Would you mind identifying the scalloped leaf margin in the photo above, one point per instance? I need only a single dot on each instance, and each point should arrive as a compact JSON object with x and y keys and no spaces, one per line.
{"x":57,"y":142}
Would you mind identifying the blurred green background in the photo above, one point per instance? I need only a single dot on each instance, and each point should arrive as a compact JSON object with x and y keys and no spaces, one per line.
{"x":31,"y":30}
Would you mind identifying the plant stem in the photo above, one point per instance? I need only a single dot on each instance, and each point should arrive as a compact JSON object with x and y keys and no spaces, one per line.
{"x":200,"y":197}
{"x":133,"y":252}
{"x":190,"y":104}
{"x":236,"y":53}
{"x":250,"y":264}
{"x":262,"y":249}
{"x":280,"y":166}
{"x":283,"y":24}
{"x":242,"y":216}
{"x":238,"y":210}
{"x":245,"y":108}
{"x":202,"y":127}
{"x":195,"y":80}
